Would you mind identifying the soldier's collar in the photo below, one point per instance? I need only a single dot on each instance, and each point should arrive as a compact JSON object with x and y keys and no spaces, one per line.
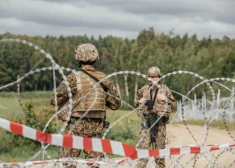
{"x":155,"y":86}
{"x":89,"y":68}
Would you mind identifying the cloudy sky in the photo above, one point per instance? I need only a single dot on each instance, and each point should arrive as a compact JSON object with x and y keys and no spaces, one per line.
{"x":123,"y":18}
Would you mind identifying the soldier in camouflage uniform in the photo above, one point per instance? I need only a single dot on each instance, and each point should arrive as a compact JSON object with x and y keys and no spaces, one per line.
{"x":86,"y":98}
{"x":163,"y":104}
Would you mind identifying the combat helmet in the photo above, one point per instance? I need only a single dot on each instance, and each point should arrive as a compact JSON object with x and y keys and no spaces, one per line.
{"x":86,"y":53}
{"x":154,"y":71}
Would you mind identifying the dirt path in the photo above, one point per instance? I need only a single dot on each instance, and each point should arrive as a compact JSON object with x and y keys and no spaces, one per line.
{"x":178,"y":135}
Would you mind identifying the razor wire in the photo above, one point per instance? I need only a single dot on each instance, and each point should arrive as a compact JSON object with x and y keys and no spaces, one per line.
{"x":55,"y":66}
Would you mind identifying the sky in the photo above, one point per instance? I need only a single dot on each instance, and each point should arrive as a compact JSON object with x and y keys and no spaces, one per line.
{"x":120,"y":18}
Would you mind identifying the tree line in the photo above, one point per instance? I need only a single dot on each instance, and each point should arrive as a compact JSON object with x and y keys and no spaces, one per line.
{"x":208,"y":57}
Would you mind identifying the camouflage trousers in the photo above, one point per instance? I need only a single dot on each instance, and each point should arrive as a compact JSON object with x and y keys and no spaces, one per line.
{"x":145,"y":143}
{"x":85,"y":128}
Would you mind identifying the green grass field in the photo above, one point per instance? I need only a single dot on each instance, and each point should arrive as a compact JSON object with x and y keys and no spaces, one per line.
{"x":126,"y":130}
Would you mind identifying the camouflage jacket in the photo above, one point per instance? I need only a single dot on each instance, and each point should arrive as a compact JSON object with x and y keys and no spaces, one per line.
{"x":164,"y":103}
{"x":85,"y":97}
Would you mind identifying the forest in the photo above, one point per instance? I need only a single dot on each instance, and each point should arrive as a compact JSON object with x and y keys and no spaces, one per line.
{"x":207,"y":57}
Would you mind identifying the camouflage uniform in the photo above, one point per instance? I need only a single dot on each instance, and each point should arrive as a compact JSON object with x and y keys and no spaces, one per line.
{"x":84,"y":97}
{"x":163,"y":106}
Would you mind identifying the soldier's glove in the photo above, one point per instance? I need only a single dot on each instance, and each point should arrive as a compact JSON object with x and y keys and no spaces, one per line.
{"x":166,"y":119}
{"x":145,"y":114}
{"x":105,"y":124}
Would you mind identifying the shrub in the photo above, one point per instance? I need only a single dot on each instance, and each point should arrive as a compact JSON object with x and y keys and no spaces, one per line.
{"x":33,"y":121}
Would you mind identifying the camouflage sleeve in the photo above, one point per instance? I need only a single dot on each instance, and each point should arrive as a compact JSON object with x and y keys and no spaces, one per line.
{"x":113,"y":100}
{"x":171,"y":98}
{"x":139,"y":95}
{"x":62,"y":92}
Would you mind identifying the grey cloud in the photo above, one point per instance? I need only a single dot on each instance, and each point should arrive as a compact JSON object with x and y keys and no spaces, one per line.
{"x":18,"y":27}
{"x":68,"y":15}
{"x":222,"y":11}
{"x":119,"y":17}
{"x":152,"y":6}
{"x":145,"y":6}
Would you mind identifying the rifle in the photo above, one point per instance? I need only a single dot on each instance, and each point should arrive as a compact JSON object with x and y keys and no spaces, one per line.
{"x":150,"y":121}
{"x":151,"y":118}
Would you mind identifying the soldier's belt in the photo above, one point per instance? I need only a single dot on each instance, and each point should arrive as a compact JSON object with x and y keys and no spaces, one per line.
{"x":73,"y":120}
{"x":90,"y":114}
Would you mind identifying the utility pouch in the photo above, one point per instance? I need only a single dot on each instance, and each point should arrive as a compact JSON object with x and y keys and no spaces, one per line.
{"x":105,"y":124}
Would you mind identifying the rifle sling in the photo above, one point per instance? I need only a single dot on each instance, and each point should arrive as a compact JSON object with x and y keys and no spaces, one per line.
{"x":97,"y":80}
{"x":154,"y":95}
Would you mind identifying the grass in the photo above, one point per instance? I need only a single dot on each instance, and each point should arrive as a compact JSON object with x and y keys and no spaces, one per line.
{"x":10,"y":108}
{"x":22,"y":154}
{"x":9,"y":100}
{"x":127,"y":128}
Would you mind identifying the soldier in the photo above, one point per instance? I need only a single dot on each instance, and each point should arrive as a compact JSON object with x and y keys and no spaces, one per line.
{"x":86,"y":98}
{"x":155,"y":102}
